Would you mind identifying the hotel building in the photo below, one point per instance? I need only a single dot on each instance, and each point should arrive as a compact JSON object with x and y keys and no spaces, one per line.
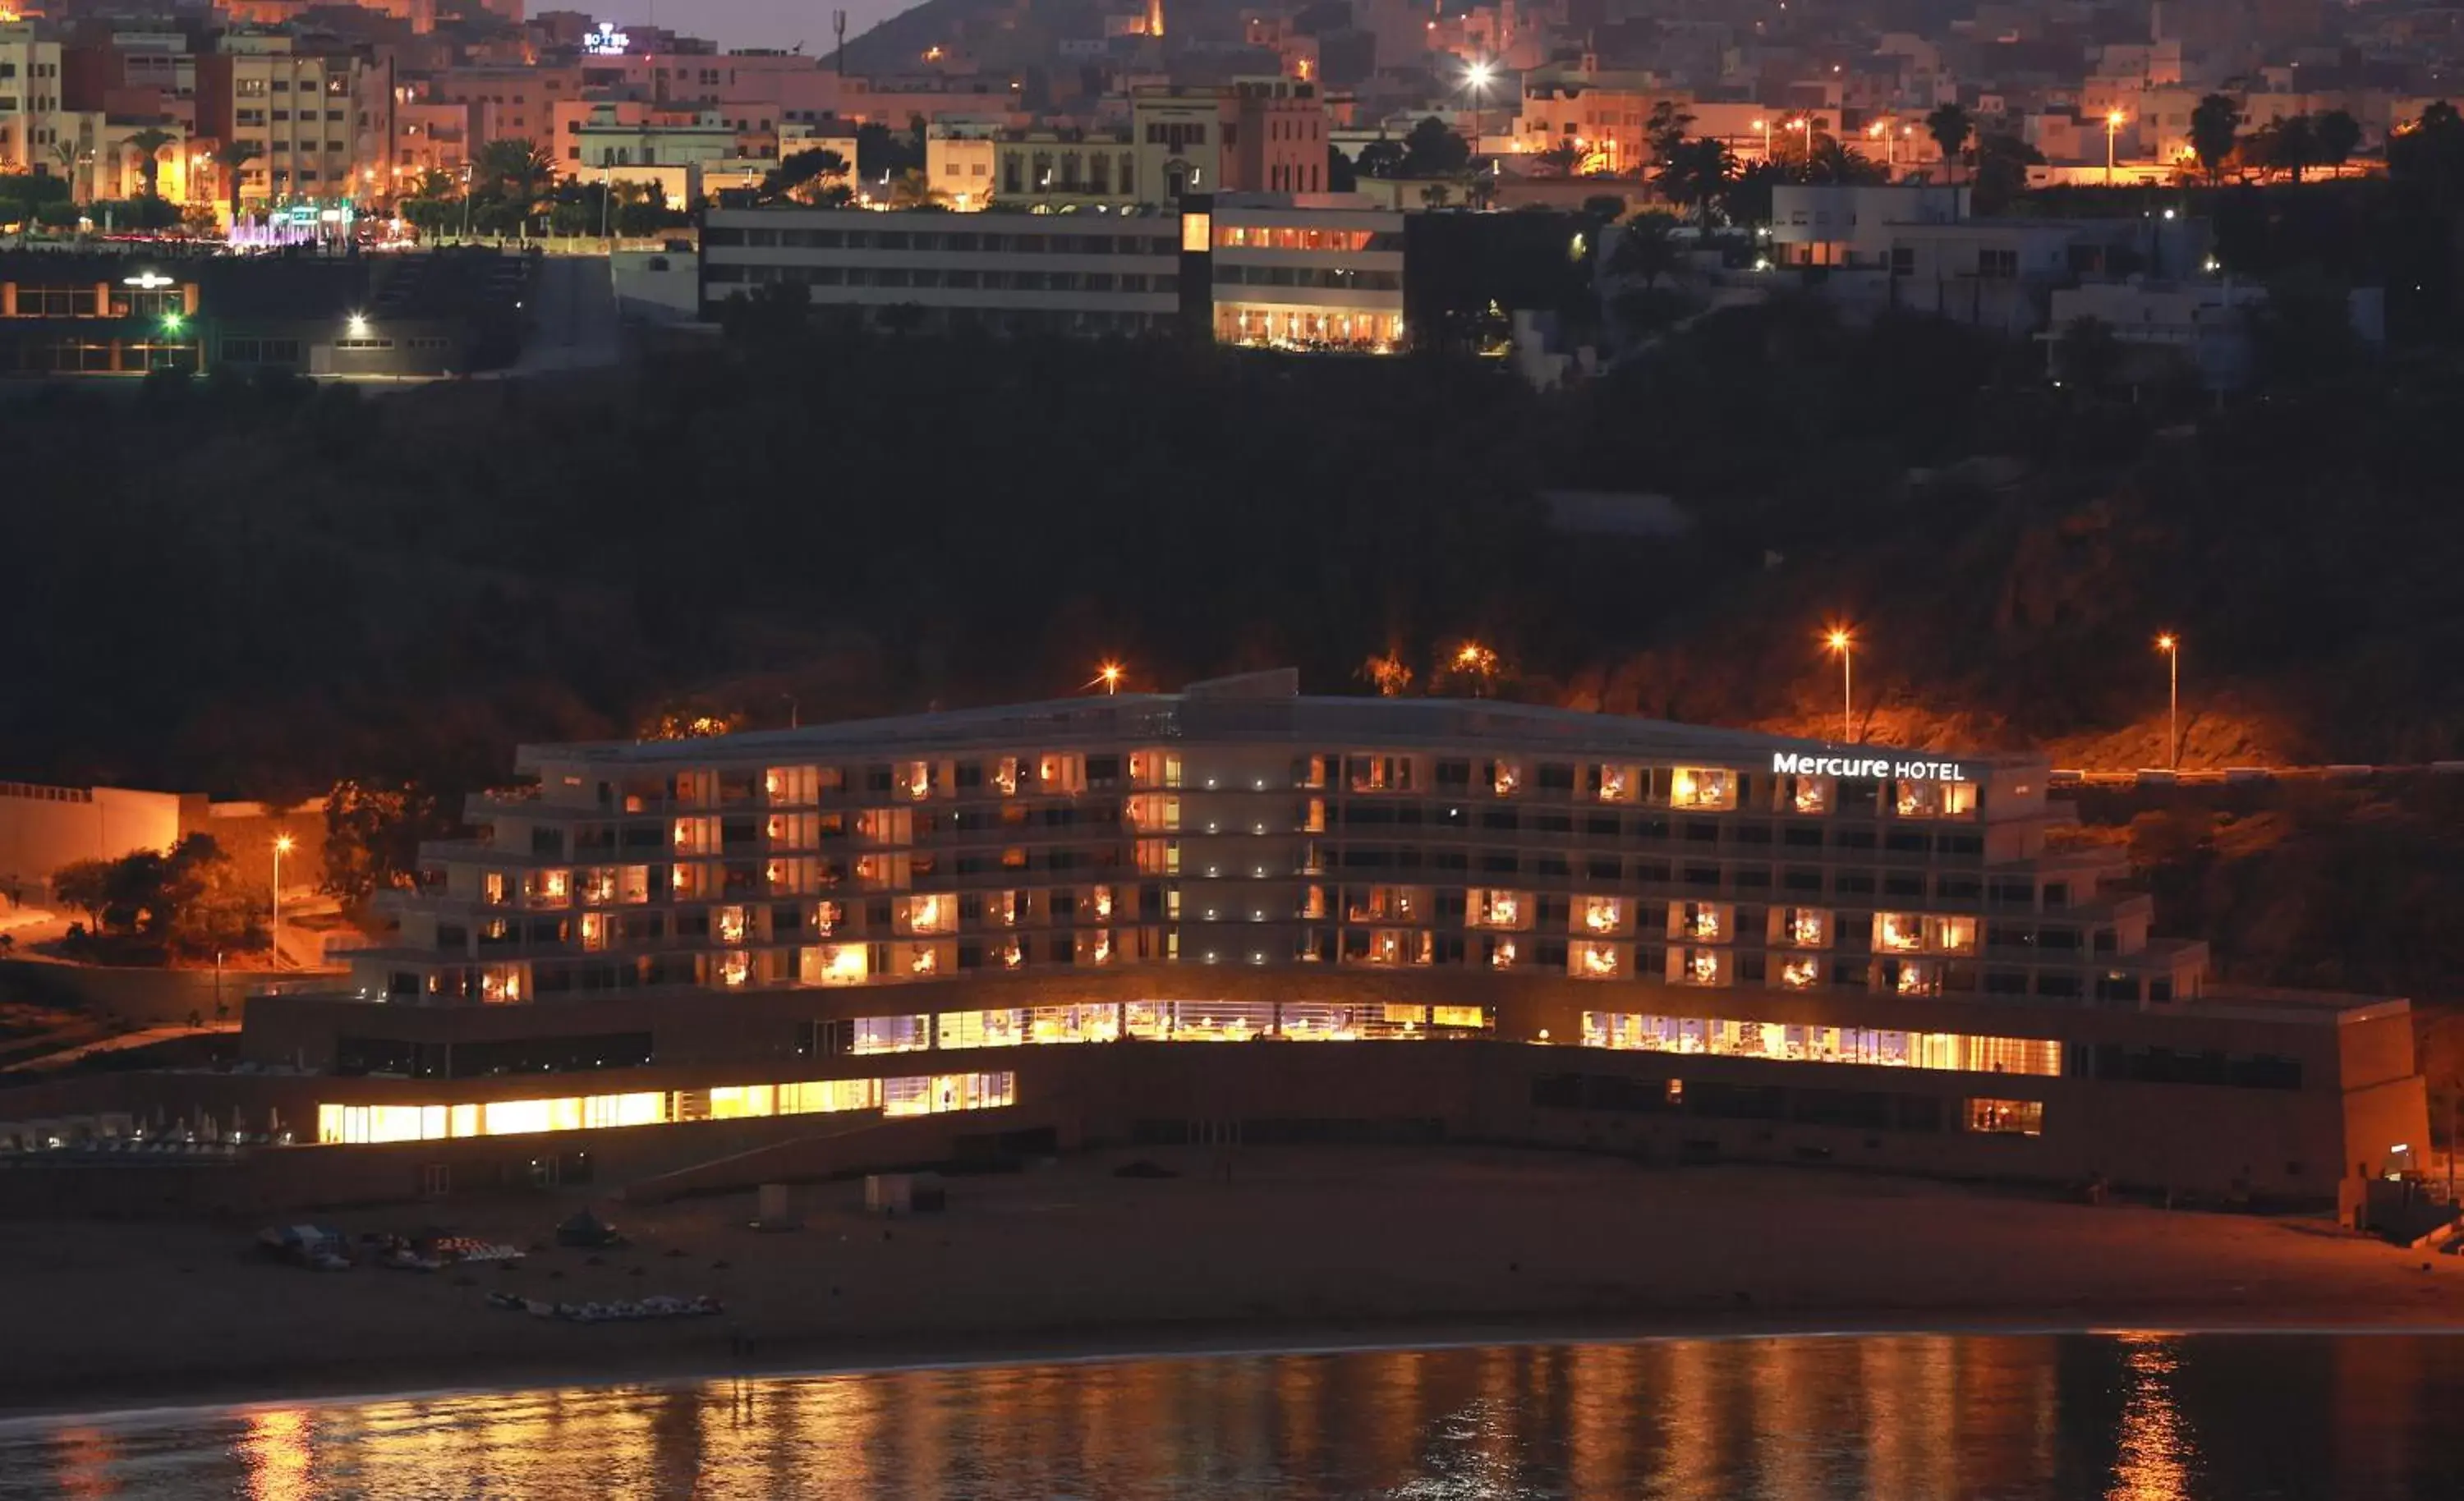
{"x":1418,"y":919}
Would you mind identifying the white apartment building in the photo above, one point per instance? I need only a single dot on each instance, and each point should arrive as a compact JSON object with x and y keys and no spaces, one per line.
{"x":959,"y":157}
{"x":298,"y":109}
{"x":36,"y":135}
{"x":1292,"y":276}
{"x":1083,"y":272}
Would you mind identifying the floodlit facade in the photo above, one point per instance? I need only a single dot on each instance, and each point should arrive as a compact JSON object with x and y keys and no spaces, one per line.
{"x":1296,"y":277}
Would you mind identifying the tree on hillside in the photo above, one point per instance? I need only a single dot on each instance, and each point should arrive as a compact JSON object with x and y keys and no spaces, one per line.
{"x":1696,"y":174}
{"x":372,"y":835}
{"x":802,"y":176}
{"x":511,"y":178}
{"x":1432,"y":150}
{"x":1561,"y":160}
{"x":84,"y":886}
{"x":2338,"y":136}
{"x":912,"y":189}
{"x":1665,"y":129}
{"x":2216,"y":126}
{"x":1950,"y":127}
{"x":433,"y":204}
{"x":2001,"y":174}
{"x":1380,"y":158}
{"x":148,"y":144}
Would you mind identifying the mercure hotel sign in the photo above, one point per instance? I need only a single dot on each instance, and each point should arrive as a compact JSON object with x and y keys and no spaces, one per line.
{"x":1866,"y":767}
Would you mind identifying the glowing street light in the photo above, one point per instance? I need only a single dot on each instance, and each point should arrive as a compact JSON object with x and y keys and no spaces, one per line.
{"x":1764,"y":126}
{"x":1108,"y":674}
{"x":2112,"y":124}
{"x":1477,"y":77}
{"x":1843,"y":644}
{"x":2170,"y":645}
{"x":283,"y":845}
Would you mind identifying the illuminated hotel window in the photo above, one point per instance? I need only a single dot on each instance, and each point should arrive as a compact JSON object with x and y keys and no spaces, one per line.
{"x":921,"y":960}
{"x":916,"y":778}
{"x":1397,"y":945}
{"x":1918,"y":799}
{"x":1506,"y":778}
{"x":1800,"y":974}
{"x":1805,"y":794}
{"x":1701,"y":787}
{"x":1619,"y":784}
{"x":929,"y":913}
{"x":1801,"y":927}
{"x":997,"y":1029}
{"x":826,"y":918}
{"x":833,"y":963}
{"x":735,"y":968}
{"x":1101,"y":1023}
{"x":1495,"y":908}
{"x":728,"y":924}
{"x":1591,"y":960}
{"x":500,"y":984}
{"x":2007,"y":1116}
{"x":1703,"y":921}
{"x":1154,"y":811}
{"x":891,"y":1035}
{"x":943,"y":1091}
{"x":1954,"y":1051}
{"x":1698,"y":966}
{"x":492,"y":888}
{"x":1005,"y":776}
{"x":1472,"y":1016}
{"x":1196,"y":233}
{"x":1917,"y":977}
{"x":1915,"y":932}
{"x":1502,"y":953}
{"x":1154,"y":768}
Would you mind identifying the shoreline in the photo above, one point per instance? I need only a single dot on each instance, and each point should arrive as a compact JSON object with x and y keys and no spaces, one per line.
{"x":347,"y":1382}
{"x":1308,"y":1252}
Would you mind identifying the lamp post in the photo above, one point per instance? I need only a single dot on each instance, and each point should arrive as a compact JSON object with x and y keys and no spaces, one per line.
{"x":281,"y":846}
{"x":1107,"y":674}
{"x":2170,"y":645}
{"x":1478,"y":78}
{"x":1764,"y":126}
{"x":2112,"y":124}
{"x":1841,"y":641}
{"x":1804,"y":126}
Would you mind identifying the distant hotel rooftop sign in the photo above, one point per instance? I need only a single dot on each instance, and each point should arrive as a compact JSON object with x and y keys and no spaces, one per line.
{"x":605,"y":41}
{"x":1866,"y":767}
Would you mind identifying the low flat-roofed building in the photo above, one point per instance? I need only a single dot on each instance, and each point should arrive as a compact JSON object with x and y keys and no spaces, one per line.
{"x":1078,"y":273}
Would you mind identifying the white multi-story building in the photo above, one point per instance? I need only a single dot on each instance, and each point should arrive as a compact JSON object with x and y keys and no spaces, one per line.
{"x":1085,"y":273}
{"x":297,"y":111}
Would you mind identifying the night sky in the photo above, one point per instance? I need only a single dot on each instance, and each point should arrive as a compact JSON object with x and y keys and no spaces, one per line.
{"x":749,"y":23}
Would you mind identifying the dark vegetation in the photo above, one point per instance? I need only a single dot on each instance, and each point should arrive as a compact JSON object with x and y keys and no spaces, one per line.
{"x":262,"y":591}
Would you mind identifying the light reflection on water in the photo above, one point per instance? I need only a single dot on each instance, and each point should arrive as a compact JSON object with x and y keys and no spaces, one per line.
{"x":1900,"y":1418}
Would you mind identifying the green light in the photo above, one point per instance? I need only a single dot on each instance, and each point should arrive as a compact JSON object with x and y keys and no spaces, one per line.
{"x":172,"y":322}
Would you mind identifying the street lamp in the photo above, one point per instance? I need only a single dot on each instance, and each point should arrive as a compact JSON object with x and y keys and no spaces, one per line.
{"x":1843,"y":644}
{"x":2112,"y":124}
{"x":1764,"y":126}
{"x":1107,"y":674}
{"x":2171,"y":647}
{"x":1478,"y":78}
{"x":283,"y":845}
{"x":1881,"y":130}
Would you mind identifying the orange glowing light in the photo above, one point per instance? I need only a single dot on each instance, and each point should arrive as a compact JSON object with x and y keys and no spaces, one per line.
{"x":1837,"y":639}
{"x":2165,"y":642}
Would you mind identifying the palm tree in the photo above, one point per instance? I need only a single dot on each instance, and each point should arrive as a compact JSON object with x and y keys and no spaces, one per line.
{"x":231,"y":160}
{"x":1696,"y":173}
{"x":147,"y":142}
{"x":1949,"y":127}
{"x":913,"y":189}
{"x":65,"y":153}
{"x":516,"y":173}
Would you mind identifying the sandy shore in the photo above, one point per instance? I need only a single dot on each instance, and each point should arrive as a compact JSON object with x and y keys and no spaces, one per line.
{"x":1299,"y":1249}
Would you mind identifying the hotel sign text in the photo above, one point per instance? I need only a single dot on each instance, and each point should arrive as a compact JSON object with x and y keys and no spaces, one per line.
{"x":1856,"y":767}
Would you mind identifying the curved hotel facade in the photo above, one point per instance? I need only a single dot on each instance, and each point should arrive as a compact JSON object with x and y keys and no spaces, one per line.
{"x":1237,"y":912}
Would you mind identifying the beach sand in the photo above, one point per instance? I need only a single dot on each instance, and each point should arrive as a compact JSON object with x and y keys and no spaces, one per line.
{"x":1300,"y":1248}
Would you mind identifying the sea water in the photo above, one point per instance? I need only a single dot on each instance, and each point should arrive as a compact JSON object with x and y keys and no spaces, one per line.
{"x":2132,"y":1417}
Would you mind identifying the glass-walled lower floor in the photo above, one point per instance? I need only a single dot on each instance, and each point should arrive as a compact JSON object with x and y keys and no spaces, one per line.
{"x":921,"y":1094}
{"x":1728,"y":1037}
